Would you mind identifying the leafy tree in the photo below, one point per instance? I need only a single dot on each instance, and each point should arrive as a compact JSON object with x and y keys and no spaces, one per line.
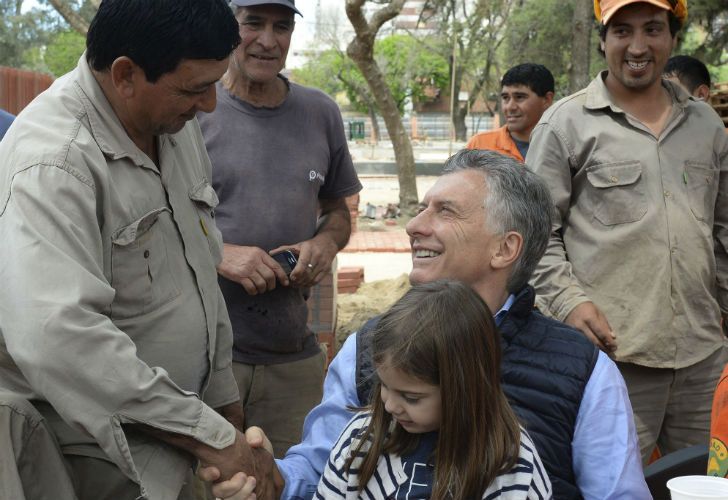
{"x":21,"y":33}
{"x":473,"y":32}
{"x":77,"y":13}
{"x":708,"y":20}
{"x":410,"y":67}
{"x":62,"y":54}
{"x":361,"y":51}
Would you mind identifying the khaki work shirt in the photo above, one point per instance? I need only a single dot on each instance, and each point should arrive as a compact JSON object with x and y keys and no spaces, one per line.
{"x":641,"y":227}
{"x":110,"y":310}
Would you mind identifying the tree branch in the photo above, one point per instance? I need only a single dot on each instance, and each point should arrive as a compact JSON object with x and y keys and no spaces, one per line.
{"x":76,"y":22}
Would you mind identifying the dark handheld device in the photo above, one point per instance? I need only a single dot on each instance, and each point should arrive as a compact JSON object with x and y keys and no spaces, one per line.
{"x":287,"y":260}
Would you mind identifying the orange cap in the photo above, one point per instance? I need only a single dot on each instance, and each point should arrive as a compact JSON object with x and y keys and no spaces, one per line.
{"x":605,"y":9}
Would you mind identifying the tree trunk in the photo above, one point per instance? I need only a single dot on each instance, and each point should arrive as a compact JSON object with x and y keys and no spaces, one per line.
{"x":76,"y":22}
{"x":458,"y":119}
{"x":361,"y":51}
{"x":579,"y":76}
{"x":376,"y":134}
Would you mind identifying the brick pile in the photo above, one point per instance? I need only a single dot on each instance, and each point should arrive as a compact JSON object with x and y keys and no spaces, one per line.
{"x":719,"y":101}
{"x":349,"y":279}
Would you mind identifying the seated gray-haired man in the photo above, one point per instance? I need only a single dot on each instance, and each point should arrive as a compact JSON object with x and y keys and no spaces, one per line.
{"x":486,"y":222}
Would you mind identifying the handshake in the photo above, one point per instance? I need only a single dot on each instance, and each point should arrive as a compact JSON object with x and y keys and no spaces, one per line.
{"x":243,"y":470}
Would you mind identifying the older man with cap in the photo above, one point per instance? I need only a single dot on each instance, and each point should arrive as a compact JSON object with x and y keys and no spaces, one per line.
{"x":282,"y":170}
{"x":637,"y":259}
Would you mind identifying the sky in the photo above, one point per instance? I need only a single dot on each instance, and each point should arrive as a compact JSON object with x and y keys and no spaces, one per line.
{"x":306,"y":26}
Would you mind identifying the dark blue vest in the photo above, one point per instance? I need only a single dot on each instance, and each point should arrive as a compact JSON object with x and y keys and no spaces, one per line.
{"x":545,"y":367}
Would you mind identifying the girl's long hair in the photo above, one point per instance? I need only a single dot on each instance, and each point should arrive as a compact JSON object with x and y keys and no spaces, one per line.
{"x":443,"y":334}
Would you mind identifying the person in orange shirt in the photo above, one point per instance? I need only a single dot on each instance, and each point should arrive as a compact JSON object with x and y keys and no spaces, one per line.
{"x":718,"y":452}
{"x":527,"y":90}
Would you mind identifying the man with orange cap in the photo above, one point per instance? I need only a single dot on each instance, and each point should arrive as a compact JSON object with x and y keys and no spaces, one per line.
{"x":637,"y":259}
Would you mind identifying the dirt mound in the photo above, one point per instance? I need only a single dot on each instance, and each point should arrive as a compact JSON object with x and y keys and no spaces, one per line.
{"x":354,"y":309}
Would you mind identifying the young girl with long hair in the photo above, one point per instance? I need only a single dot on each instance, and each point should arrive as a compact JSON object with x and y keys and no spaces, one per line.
{"x":438,"y":425}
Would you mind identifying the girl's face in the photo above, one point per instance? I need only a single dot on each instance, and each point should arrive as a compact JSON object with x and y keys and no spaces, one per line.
{"x":414,"y":404}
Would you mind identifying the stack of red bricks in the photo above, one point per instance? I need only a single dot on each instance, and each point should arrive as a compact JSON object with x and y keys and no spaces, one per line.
{"x":352,"y":202}
{"x":322,"y":312}
{"x":349,"y":279}
{"x":719,"y":101}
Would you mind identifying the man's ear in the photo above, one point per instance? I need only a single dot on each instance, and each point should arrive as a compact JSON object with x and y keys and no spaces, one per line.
{"x":125,"y":76}
{"x":702,"y":92}
{"x":548,"y":99}
{"x":508,"y":251}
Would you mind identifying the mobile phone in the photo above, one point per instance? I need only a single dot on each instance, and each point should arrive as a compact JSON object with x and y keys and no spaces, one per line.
{"x":287,"y":260}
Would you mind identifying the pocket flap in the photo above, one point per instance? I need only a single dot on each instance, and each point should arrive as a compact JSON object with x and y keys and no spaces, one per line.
{"x":203,"y":192}
{"x":129,"y":234}
{"x":705,"y":173}
{"x":614,"y":174}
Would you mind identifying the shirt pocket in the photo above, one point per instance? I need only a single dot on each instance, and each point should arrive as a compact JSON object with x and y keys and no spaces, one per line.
{"x":140,"y":271}
{"x":702,"y":189}
{"x":205,"y":199}
{"x":618,"y":195}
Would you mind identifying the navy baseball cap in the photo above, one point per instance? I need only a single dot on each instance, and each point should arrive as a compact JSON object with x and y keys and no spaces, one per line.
{"x":286,"y":3}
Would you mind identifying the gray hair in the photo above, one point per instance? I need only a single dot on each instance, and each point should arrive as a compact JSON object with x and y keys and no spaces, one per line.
{"x":516,"y":200}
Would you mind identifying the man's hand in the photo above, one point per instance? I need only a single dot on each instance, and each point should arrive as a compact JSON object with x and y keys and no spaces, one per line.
{"x":269,"y":482}
{"x":314,"y":259}
{"x":587,"y":318}
{"x":229,"y":461}
{"x":233,"y":413}
{"x":252,"y":267}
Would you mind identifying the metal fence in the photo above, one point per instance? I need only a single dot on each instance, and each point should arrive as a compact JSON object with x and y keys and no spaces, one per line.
{"x":19,"y":87}
{"x":431,"y":126}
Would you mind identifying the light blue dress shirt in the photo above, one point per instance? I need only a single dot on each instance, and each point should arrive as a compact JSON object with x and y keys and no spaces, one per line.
{"x":6,"y":119}
{"x":606,"y":453}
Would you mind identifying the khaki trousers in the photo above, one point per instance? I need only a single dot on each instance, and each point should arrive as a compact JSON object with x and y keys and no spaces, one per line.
{"x":278,"y":397}
{"x":672,"y":407}
{"x":33,"y":467}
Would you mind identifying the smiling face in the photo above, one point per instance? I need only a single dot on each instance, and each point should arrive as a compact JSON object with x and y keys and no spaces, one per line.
{"x":637,"y":46}
{"x":266,"y":32}
{"x":414,"y":404}
{"x":523,"y":108}
{"x":449,"y":236}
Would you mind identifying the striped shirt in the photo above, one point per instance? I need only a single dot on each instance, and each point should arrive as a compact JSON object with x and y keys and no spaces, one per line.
{"x":526,"y":480}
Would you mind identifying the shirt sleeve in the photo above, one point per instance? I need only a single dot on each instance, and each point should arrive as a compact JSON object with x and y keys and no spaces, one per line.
{"x":335,"y":478}
{"x":606,"y":452}
{"x":222,"y":388}
{"x":558,"y":291}
{"x":341,"y":178}
{"x":304,"y":463}
{"x":53,"y":315}
{"x":720,"y":229}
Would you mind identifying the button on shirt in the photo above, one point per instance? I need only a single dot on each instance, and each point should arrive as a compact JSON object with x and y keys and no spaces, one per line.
{"x":110,"y":311}
{"x":642,"y":223}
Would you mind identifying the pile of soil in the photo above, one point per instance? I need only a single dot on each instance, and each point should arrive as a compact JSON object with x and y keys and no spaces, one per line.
{"x":355,"y":309}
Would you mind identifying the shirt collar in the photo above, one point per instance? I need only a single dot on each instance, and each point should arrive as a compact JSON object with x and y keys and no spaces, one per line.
{"x":504,"y":309}
{"x":598,"y":96}
{"x":105,"y":126}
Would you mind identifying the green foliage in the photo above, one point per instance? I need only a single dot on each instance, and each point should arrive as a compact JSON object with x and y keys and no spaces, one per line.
{"x":62,"y":54}
{"x":409,"y":68}
{"x":540,"y":32}
{"x":22,"y":34}
{"x":333,"y":72}
{"x":706,"y":34}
